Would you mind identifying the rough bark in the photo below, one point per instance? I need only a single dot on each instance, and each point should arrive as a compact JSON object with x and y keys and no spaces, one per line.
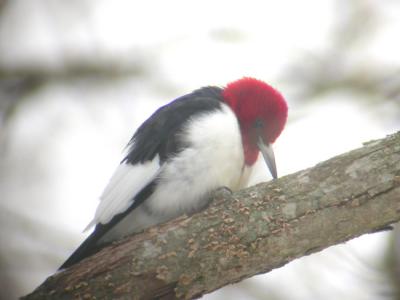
{"x":249,"y":232}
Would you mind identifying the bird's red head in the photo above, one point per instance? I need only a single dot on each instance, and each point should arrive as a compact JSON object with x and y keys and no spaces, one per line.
{"x":261,"y":111}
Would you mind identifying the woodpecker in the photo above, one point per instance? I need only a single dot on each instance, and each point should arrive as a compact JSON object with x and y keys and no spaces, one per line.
{"x":202,"y":141}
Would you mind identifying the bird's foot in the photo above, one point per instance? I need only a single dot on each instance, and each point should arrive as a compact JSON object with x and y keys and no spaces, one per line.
{"x":220,"y":194}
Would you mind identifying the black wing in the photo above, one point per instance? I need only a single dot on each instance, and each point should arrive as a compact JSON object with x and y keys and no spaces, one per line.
{"x":158,"y":135}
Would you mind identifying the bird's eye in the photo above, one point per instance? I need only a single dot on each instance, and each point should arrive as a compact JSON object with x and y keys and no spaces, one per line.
{"x":258,"y":124}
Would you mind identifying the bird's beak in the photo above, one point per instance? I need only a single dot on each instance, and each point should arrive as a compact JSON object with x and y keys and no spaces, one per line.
{"x":269,"y":157}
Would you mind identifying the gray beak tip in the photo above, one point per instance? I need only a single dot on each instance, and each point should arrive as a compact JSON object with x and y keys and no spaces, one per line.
{"x":269,"y":157}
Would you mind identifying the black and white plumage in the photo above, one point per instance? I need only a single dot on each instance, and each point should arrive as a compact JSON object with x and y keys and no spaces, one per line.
{"x":177,"y":157}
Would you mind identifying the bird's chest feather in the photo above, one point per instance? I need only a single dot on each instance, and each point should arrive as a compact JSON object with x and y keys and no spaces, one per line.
{"x":214,"y":158}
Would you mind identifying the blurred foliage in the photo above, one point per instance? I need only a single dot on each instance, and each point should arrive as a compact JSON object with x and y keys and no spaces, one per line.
{"x":336,"y":68}
{"x":392,"y":263}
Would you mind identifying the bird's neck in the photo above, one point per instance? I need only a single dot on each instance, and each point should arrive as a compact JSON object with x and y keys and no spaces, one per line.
{"x":250,"y":149}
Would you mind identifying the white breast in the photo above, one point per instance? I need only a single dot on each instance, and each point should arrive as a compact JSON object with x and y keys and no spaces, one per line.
{"x":213,"y":159}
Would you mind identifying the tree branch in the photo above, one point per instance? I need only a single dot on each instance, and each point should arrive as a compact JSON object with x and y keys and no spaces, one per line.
{"x":252,"y":231}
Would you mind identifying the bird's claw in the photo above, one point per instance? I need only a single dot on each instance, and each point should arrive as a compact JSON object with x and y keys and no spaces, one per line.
{"x":222,"y":192}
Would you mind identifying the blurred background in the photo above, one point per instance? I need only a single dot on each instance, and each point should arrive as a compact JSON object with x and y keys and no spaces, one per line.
{"x":78,"y":77}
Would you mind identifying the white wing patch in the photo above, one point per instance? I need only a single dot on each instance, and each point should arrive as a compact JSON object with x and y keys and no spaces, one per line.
{"x":124,"y":184}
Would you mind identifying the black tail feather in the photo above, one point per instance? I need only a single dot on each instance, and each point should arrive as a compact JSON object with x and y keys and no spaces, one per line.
{"x":92,"y":244}
{"x":87,"y":248}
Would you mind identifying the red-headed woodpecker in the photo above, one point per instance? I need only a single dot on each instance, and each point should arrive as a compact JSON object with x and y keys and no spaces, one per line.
{"x":200,"y":142}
